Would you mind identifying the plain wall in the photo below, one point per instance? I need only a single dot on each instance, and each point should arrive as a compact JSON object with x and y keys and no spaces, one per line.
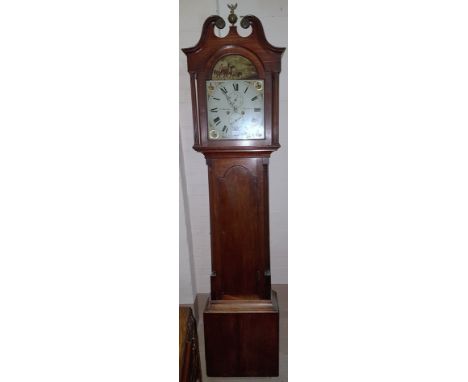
{"x":273,"y":15}
{"x":187,"y":289}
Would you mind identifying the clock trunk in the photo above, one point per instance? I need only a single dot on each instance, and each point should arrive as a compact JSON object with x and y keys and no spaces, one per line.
{"x":239,"y":227}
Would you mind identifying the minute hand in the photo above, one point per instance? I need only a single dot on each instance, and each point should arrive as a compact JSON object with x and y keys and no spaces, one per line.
{"x":230,"y":102}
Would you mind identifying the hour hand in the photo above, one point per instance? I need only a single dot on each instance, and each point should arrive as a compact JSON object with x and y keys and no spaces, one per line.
{"x":229,"y":100}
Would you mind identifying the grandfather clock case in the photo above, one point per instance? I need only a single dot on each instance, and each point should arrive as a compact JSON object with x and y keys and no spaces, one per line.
{"x":235,"y":100}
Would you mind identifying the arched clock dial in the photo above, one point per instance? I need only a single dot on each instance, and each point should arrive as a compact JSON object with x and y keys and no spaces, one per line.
{"x":235,"y":109}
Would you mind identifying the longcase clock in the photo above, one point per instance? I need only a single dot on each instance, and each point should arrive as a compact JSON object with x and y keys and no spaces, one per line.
{"x":235,"y":98}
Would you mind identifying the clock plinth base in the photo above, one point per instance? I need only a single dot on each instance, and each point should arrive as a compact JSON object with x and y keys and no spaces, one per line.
{"x":242,"y":338}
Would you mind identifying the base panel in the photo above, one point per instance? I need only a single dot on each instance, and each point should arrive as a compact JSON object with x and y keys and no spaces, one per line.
{"x":242,"y":338}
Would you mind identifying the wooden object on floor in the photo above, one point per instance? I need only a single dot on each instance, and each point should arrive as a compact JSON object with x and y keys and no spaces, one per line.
{"x":235,"y":102}
{"x":242,"y":337}
{"x":189,"y":353}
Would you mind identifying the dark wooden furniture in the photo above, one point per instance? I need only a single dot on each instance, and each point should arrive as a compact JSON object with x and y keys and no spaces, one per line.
{"x":241,"y":319}
{"x":189,"y":354}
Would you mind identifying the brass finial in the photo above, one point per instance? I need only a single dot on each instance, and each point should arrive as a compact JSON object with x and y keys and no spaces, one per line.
{"x":232,"y":18}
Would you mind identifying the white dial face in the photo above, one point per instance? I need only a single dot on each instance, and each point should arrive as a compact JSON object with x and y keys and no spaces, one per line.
{"x":235,"y":109}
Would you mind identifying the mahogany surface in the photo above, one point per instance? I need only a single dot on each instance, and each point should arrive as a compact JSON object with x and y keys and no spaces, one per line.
{"x":239,"y":227}
{"x":242,"y":318}
{"x":242,"y":339}
{"x":201,"y":60}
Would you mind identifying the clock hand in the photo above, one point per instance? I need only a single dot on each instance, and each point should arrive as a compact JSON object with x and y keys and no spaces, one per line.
{"x":229,"y":99}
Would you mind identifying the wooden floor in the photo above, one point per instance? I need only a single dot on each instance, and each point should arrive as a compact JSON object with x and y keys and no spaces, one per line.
{"x":282,"y":291}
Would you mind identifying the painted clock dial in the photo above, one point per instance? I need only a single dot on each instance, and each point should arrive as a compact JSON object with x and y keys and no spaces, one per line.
{"x":235,"y":109}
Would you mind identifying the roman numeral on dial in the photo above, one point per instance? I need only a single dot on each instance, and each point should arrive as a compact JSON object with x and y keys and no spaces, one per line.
{"x":254,"y":98}
{"x":223,"y":89}
{"x":235,"y":86}
{"x":217,"y":121}
{"x":214,"y":110}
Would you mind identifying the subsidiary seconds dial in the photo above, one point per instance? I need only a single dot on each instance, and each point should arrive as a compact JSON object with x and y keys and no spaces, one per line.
{"x":235,"y":109}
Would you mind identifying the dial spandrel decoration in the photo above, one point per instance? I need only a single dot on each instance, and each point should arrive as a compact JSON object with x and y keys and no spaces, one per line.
{"x":235,"y":109}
